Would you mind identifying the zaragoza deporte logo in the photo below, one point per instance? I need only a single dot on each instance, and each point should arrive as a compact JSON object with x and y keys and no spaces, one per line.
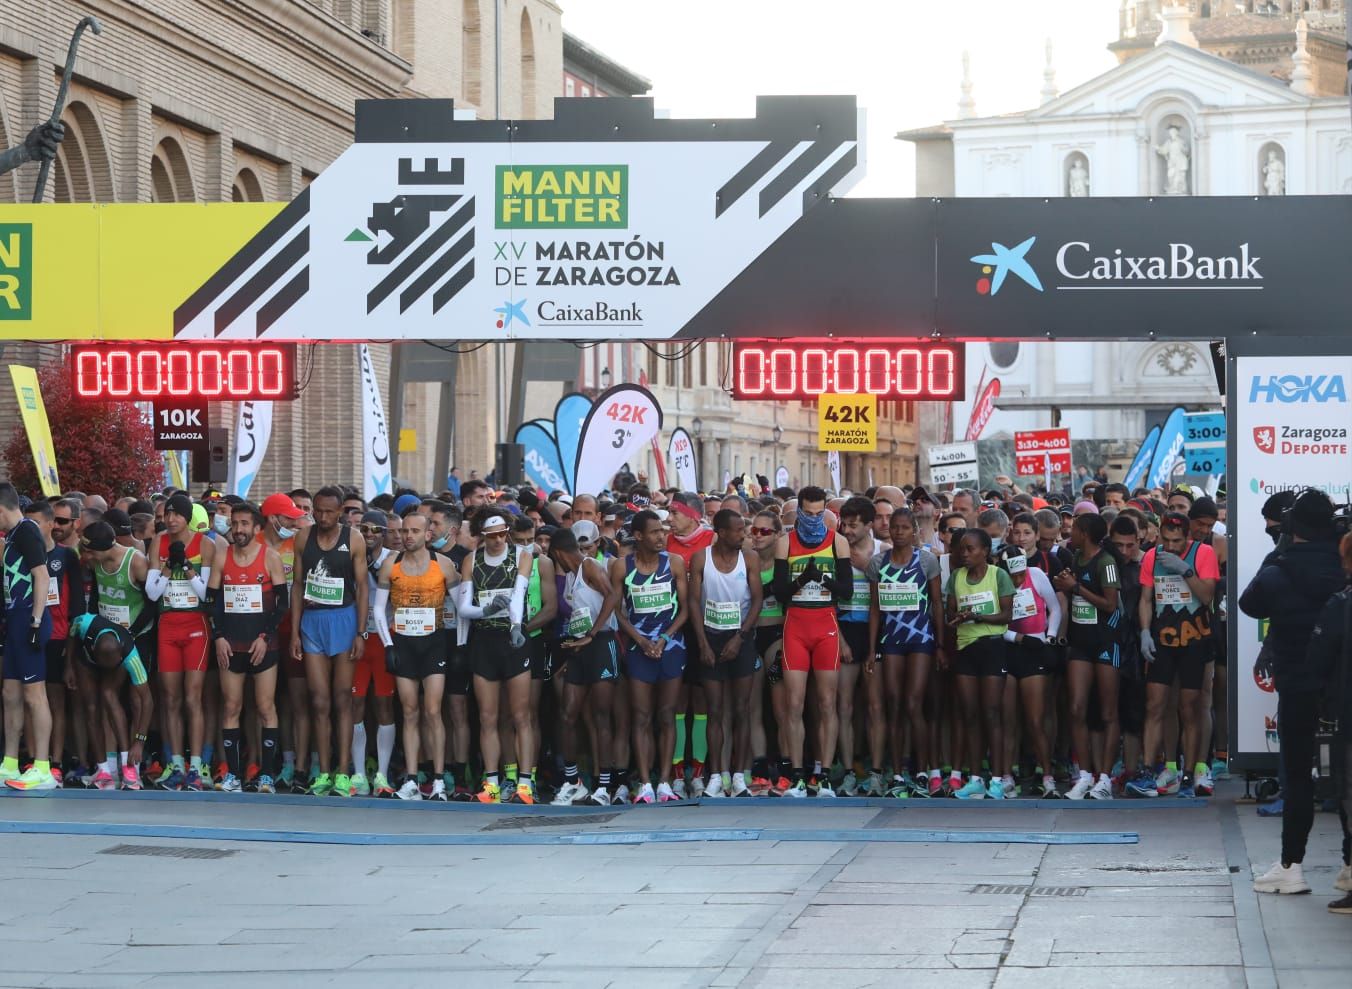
{"x":1005,"y":261}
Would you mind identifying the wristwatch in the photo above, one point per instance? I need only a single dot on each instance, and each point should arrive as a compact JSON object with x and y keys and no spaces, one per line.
{"x":366,"y":635}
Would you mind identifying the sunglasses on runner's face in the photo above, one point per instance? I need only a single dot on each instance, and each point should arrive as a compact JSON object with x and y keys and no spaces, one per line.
{"x":953,"y":530}
{"x":372,"y":530}
{"x":758,"y":531}
{"x":58,"y":520}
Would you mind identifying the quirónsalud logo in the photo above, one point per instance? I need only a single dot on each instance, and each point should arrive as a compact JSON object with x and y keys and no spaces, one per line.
{"x":1005,"y":261}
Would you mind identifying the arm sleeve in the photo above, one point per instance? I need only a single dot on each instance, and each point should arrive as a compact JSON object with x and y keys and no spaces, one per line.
{"x":156,"y":584}
{"x":281,"y":604}
{"x":199,"y":583}
{"x":217,"y":604}
{"x":1044,"y":588}
{"x":467,"y":608}
{"x":841,"y":585}
{"x":74,"y":586}
{"x":783,"y":585}
{"x":516,"y":610}
{"x":380,"y":607}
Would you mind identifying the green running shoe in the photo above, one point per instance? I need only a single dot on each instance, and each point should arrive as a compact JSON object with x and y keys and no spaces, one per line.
{"x":342,"y":785}
{"x":360,"y":786}
{"x":321,"y":785}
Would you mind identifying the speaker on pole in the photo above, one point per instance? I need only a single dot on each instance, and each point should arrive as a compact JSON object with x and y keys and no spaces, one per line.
{"x":509,"y":466}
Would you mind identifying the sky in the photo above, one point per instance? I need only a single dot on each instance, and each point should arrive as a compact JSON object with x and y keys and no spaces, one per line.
{"x":901,"y":58}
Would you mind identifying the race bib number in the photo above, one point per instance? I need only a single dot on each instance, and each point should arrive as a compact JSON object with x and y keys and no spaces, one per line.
{"x":1082,"y":612}
{"x":1024,"y":604}
{"x":415,"y":621}
{"x":54,"y":592}
{"x":486,"y":596}
{"x":813,"y":592}
{"x":243,"y":599}
{"x":371,"y":619}
{"x":1016,"y":565}
{"x":723,"y":616}
{"x":450,"y":619}
{"x":180,"y":596}
{"x":860,"y":599}
{"x":579,"y":622}
{"x":650,"y":599}
{"x":323,"y":590}
{"x":978,"y":602}
{"x":1172,"y":590}
{"x":118,"y":614}
{"x":899,"y":597}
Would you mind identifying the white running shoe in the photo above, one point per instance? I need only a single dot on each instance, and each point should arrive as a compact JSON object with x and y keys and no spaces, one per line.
{"x":1167,"y":782}
{"x":645,"y":794}
{"x":739,"y":787}
{"x":1009,"y":786}
{"x":824,"y":788}
{"x":1081,"y":788}
{"x":715,"y":787}
{"x":678,"y":788}
{"x":409,"y":791}
{"x":569,"y":794}
{"x":665,"y":794}
{"x":849,"y":785}
{"x":621,"y":794}
{"x":438,"y":790}
{"x":697,"y":787}
{"x":1282,"y":879}
{"x":1344,"y":880}
{"x":1102,"y":790}
{"x":600,"y":797}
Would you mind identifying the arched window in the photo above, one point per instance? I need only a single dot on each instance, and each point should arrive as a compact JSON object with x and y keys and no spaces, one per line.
{"x":471,"y":55}
{"x":527,"y":66}
{"x":82,"y":172}
{"x":170,"y":177}
{"x":246,"y":187}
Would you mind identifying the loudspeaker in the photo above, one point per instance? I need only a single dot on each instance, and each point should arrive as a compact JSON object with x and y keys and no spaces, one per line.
{"x":212,"y":465}
{"x":509,"y":464}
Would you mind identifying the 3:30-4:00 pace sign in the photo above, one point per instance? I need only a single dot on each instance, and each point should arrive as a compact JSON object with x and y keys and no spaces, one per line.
{"x":184,"y":372}
{"x":799,"y":369}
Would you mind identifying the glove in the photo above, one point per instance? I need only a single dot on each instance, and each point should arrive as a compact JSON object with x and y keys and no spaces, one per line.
{"x":809,"y":574}
{"x":1147,"y":645}
{"x":1169,"y":563}
{"x":497,"y":606}
{"x":41,"y":142}
{"x":518,"y":637}
{"x":35,"y":637}
{"x":774,"y":673}
{"x":391,"y":661}
{"x":178,"y":556}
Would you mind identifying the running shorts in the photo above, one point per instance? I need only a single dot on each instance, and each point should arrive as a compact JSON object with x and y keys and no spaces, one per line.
{"x":328,"y":631}
{"x":370,"y":671}
{"x":855,"y":635}
{"x":417,"y":656}
{"x":1187,"y":665}
{"x":811,"y":640}
{"x":986,"y":657}
{"x":493,"y":657}
{"x":181,"y":646}
{"x":239,"y":662}
{"x":596,"y":662}
{"x":672,"y":665}
{"x":742,"y":665}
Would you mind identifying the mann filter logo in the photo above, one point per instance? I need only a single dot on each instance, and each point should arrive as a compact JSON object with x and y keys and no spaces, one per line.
{"x":534,"y":196}
{"x":16,"y":271}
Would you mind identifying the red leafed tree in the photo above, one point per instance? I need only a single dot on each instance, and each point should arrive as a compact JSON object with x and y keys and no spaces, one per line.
{"x":101,"y":447}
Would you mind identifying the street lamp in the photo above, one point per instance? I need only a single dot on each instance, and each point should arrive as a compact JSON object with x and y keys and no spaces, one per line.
{"x":605,"y":378}
{"x":777,"y":434}
{"x":697,"y":426}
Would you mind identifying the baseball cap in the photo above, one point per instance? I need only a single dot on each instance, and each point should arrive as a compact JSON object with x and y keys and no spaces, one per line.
{"x":586,"y":531}
{"x":98,"y":537}
{"x":119,"y":520}
{"x":404,"y":502}
{"x":565,"y":499}
{"x":180,"y":504}
{"x":281,"y":504}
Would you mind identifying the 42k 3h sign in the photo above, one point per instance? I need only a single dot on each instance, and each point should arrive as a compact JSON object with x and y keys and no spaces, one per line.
{"x":847,"y":422}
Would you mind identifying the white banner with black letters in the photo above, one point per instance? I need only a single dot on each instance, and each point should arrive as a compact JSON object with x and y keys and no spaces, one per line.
{"x":253,"y":430}
{"x":374,"y":435}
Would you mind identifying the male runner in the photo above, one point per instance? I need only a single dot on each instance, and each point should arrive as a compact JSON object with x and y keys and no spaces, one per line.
{"x":1178,"y":584}
{"x":329,"y":592}
{"x":857,"y":649}
{"x":282,"y":520}
{"x":765,"y":531}
{"x":725,"y":583}
{"x":28,"y":629}
{"x":178,"y":578}
{"x":371,"y":674}
{"x":654,"y":594}
{"x":445,"y":525}
{"x":689,"y":533}
{"x":249,"y":595}
{"x":101,"y":657}
{"x":812,"y":573}
{"x":416,"y":583}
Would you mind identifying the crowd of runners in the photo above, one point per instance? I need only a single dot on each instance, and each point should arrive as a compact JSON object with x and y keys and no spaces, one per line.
{"x":645,"y":646}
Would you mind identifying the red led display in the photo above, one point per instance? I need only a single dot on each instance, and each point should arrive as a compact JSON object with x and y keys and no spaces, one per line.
{"x":148,"y":372}
{"x":802,"y":369}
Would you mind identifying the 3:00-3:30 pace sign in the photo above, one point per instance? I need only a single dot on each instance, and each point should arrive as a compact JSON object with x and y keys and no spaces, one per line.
{"x":801,"y":369}
{"x":184,"y":372}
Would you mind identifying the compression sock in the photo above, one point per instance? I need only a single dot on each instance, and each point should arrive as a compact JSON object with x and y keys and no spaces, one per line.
{"x":269,"y":762}
{"x":678,"y":754}
{"x":1171,"y":766}
{"x":570,"y":772}
{"x":385,"y":751}
{"x":231,"y":738}
{"x":288,"y":760}
{"x":207,"y":751}
{"x":359,"y":747}
{"x":699,"y":739}
{"x":759,"y":768}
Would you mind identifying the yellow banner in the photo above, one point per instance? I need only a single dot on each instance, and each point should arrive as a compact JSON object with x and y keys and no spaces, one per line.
{"x":847,"y":422}
{"x":34,"y":414}
{"x":113,"y":271}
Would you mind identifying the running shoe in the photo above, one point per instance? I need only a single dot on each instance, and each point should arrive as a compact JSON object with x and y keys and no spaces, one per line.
{"x":1049,"y":791}
{"x":194,"y":781}
{"x":449,"y":779}
{"x":1342,"y":906}
{"x":220,"y":773}
{"x":231,"y":784}
{"x":1143,"y":785}
{"x":621,"y":794}
{"x":1344,"y":880}
{"x":1220,"y":769}
{"x":697,"y":784}
{"x":1204,"y":785}
{"x":131,"y":779}
{"x":645,"y":794}
{"x":569,"y":794}
{"x":1102,"y":790}
{"x":321,"y":785}
{"x":1273,"y":808}
{"x":824,"y":790}
{"x":490,"y":794}
{"x":361,"y":786}
{"x":1166,"y":784}
{"x":1282,"y":879}
{"x":525,"y":793}
{"x":849,"y":784}
{"x":678,"y":788}
{"x":1010,"y":787}
{"x":936,"y":785}
{"x":873,"y":786}
{"x":164,"y":781}
{"x":438,"y":791}
{"x":103,"y":780}
{"x":461,"y":795}
{"x":760,"y":786}
{"x":409,"y":790}
{"x":973,"y":789}
{"x":73,"y":778}
{"x":251,"y":773}
{"x":380,"y":786}
{"x":1186,"y":790}
{"x":739,"y":787}
{"x":600,"y":797}
{"x":798,"y":791}
{"x":952,"y":785}
{"x":32,"y":779}
{"x":899,"y":791}
{"x":58,"y":776}
{"x":265,"y":784}
{"x":665,"y":794}
{"x":996,"y":789}
{"x":342,"y":785}
{"x":287,"y":778}
{"x":1081,"y":789}
{"x":424,"y":783}
{"x":715,"y":787}
{"x":781,"y":787}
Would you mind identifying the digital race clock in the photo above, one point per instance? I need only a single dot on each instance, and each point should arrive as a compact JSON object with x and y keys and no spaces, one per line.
{"x":891,"y":369}
{"x":184,"y":372}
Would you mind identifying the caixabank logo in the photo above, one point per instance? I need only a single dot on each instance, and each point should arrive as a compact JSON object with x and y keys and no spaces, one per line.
{"x":1005,"y":261}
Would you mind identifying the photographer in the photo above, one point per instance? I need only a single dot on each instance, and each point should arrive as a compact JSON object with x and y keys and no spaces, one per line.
{"x":1291,"y":591}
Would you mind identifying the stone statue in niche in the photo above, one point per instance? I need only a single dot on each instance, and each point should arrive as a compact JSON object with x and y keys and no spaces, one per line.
{"x":1077,"y":180}
{"x":1274,"y":174}
{"x":1174,"y":151}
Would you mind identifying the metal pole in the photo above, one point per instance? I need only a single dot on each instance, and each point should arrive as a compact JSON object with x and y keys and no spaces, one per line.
{"x":93,"y":24}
